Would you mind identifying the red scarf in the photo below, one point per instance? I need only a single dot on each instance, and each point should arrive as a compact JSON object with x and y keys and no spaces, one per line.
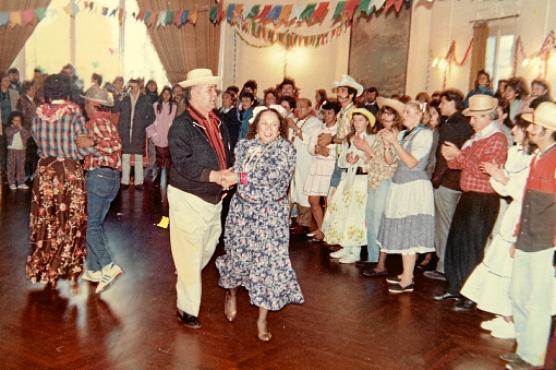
{"x":212,"y":129}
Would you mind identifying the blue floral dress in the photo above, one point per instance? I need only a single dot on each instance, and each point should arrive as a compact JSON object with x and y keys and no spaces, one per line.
{"x":257,"y":234}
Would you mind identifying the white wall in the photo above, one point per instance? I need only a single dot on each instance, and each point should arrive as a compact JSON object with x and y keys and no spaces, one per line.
{"x":435,"y":25}
{"x":312,"y":68}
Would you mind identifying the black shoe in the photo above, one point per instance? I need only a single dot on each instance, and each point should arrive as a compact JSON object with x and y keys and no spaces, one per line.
{"x":365,"y":263}
{"x":398,"y":289}
{"x":435,"y":275}
{"x":374,"y":274}
{"x":445,"y":296}
{"x":463,"y":305}
{"x":189,"y":320}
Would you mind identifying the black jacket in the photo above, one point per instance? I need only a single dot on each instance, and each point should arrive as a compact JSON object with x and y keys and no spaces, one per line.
{"x":142,"y":117}
{"x":457,"y":130}
{"x":193,"y":158}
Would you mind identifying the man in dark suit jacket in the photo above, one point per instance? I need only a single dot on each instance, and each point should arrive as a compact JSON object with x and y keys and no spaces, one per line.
{"x":26,"y":105}
{"x":136,"y":113}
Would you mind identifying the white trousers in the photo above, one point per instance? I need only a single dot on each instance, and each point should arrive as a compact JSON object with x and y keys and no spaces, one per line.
{"x":126,"y":158}
{"x":195,"y":228}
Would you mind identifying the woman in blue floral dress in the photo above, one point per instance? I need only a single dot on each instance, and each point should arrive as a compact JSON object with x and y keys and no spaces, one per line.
{"x":257,"y":231}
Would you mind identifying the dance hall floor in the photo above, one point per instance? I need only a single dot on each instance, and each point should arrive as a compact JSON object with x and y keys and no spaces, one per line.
{"x":347,"y":322}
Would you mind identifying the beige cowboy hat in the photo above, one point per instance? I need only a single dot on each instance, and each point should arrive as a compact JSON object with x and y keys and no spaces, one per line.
{"x":395,"y":104}
{"x":480,"y":105}
{"x":347,"y":80}
{"x":365,"y":113}
{"x":99,"y":95}
{"x":544,"y":115}
{"x":200,"y":76}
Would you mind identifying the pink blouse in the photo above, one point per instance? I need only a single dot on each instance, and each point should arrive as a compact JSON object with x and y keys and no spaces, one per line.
{"x":158,"y":131}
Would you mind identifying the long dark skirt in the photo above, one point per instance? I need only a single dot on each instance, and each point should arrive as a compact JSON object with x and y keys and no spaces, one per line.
{"x":58,"y":222}
{"x":472,"y":224}
{"x":163,"y":159}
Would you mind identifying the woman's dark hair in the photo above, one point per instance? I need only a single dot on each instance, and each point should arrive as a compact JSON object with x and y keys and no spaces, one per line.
{"x":252,"y":84}
{"x":504,"y":104}
{"x":397,"y":118}
{"x":97,"y":78}
{"x":57,"y":86}
{"x":161,"y":100}
{"x":332,"y":105}
{"x":150,"y":83}
{"x":453,"y":95}
{"x":291,"y":101}
{"x":522,"y":124}
{"x":283,"y":124}
{"x":519,"y":86}
{"x":435,"y":104}
{"x":370,"y":130}
{"x":322,"y":96}
{"x":14,"y":114}
{"x":482,"y":72}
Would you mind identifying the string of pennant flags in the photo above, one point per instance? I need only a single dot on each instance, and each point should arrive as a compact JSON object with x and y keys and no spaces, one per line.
{"x":233,"y":13}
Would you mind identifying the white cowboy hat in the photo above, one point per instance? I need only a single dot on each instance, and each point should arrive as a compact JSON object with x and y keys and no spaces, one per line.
{"x":200,"y":76}
{"x":347,"y":80}
{"x":395,"y":104}
{"x":98,"y":95}
{"x":480,"y":105}
{"x":544,"y":115}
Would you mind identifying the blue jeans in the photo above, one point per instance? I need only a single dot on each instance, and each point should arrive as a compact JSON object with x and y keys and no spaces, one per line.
{"x":376,"y":200}
{"x":531,"y":291}
{"x":103,"y":185}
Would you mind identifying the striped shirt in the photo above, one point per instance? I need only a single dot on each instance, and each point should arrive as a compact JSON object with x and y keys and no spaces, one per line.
{"x":55,"y":128}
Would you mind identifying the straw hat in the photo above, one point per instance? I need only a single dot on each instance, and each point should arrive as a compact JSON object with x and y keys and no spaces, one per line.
{"x":364,"y":112}
{"x":480,"y":105}
{"x":200,"y":76}
{"x":544,"y":115}
{"x":347,"y":80}
{"x":98,"y":95}
{"x":395,"y":104}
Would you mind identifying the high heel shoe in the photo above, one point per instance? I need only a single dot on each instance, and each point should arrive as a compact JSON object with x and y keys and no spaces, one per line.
{"x":229,"y":311}
{"x":262,"y":333}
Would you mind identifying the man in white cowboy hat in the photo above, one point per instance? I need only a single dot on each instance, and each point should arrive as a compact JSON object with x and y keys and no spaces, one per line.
{"x":532,"y":288}
{"x":347,"y":89}
{"x":103,"y":183}
{"x":478,"y":205}
{"x":201,"y":155}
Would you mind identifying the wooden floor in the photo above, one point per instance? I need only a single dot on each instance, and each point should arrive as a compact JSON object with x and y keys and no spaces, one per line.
{"x":347,"y":322}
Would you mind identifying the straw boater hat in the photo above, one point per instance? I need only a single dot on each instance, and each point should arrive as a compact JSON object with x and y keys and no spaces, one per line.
{"x":544,"y":115}
{"x":395,"y":104}
{"x":200,"y":76}
{"x":364,"y":112}
{"x":347,"y":80}
{"x":480,"y":105}
{"x":98,"y":95}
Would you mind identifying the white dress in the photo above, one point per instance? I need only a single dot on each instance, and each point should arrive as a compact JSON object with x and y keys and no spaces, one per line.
{"x":489,"y":284}
{"x":344,"y":220}
{"x":318,"y":181}
{"x":309,"y":126}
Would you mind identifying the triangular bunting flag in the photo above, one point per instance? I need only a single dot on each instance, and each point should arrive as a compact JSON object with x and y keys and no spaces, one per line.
{"x":15,"y":19}
{"x":275,"y":13}
{"x":169,"y":17}
{"x":351,"y":5}
{"x":365,"y":6}
{"x":230,"y":13}
{"x":161,"y":18}
{"x":28,"y":16}
{"x":40,"y":13}
{"x":397,"y":4}
{"x":193,"y":15}
{"x":339,"y":9}
{"x":113,"y":12}
{"x":184,"y":17}
{"x":253,"y":12}
{"x":104,"y":10}
{"x":213,"y":16}
{"x":140,"y":16}
{"x":296,"y":12}
{"x":320,"y":13}
{"x":264,"y":13}
{"x":285,"y":15}
{"x":308,"y":12}
{"x":378,"y":4}
{"x":4,"y":18}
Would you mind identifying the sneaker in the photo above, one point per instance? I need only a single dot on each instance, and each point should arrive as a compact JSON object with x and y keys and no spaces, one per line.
{"x":311,"y":234}
{"x":339,"y":253}
{"x":510,"y":357}
{"x":398,"y":289}
{"x":23,"y":187}
{"x":491,"y":324}
{"x":435,"y":275}
{"x":505,"y":330}
{"x":13,"y":187}
{"x":109,"y":274}
{"x":350,"y":258}
{"x":92,"y":276}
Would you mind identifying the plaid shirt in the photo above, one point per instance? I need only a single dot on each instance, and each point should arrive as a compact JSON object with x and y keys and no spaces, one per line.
{"x":55,"y":128}
{"x":493,"y":148}
{"x":108,"y":146}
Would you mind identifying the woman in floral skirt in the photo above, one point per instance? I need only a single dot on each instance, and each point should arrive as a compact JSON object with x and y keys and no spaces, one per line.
{"x":257,"y":232}
{"x":58,"y":206}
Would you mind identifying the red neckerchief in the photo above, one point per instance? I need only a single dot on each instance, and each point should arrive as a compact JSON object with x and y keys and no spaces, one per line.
{"x":212,"y":129}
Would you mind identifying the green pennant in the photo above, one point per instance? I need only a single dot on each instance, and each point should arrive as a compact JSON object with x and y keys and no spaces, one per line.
{"x":169,"y":17}
{"x":213,"y":13}
{"x":308,"y":12}
{"x":40,"y":13}
{"x":364,"y":7}
{"x":339,"y":9}
{"x":254,"y":11}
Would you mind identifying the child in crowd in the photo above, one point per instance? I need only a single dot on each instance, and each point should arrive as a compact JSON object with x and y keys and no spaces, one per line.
{"x":16,"y":139}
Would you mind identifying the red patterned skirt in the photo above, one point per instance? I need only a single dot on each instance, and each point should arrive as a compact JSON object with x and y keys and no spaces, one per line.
{"x":58,"y":222}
